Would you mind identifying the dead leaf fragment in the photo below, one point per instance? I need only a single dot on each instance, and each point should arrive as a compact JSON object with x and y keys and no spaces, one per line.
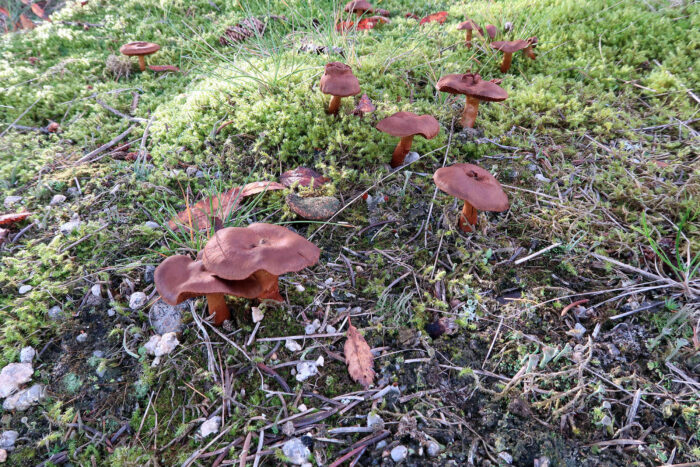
{"x":9,"y":219}
{"x":163,"y":68}
{"x":358,"y":357}
{"x":26,"y":22}
{"x":304,"y":177}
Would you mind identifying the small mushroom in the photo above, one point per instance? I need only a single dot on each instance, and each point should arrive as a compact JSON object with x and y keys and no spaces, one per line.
{"x":491,"y":30}
{"x":475,"y":89}
{"x":339,"y":82}
{"x":406,"y":125}
{"x":364,"y":106}
{"x":139,"y":49}
{"x":179,"y":278}
{"x":469,"y":26}
{"x":509,"y":47}
{"x":261,"y":252}
{"x":479,"y":190}
{"x":359,"y":7}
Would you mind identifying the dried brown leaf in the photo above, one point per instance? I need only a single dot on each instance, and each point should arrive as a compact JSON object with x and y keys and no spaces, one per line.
{"x":358,"y":357}
{"x":9,"y":219}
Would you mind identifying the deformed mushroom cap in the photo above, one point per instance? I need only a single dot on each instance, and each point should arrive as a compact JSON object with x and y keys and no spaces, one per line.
{"x":471,"y":84}
{"x":235,"y":253}
{"x":511,"y":46}
{"x":358,"y":5}
{"x":470,"y":25}
{"x":139,"y":48}
{"x":404,"y":124}
{"x":491,"y":30}
{"x":338,"y":80}
{"x":180,"y":277}
{"x":472,"y":184}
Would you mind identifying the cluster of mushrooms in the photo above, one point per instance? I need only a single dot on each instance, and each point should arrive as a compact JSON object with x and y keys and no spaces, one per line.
{"x":246,"y":261}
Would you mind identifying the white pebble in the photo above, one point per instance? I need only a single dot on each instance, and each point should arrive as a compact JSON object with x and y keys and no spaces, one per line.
{"x":137,"y":300}
{"x":292,"y":345}
{"x":399,"y":453}
{"x":27,"y":354}
{"x":25,"y":289}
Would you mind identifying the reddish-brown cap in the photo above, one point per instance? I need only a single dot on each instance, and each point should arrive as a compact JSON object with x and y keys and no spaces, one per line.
{"x":139,"y":48}
{"x":364,"y":106}
{"x":235,"y":253}
{"x":472,"y":85}
{"x":354,"y":6}
{"x":180,"y":277}
{"x":338,"y":80}
{"x":491,"y":30}
{"x":403,"y":124}
{"x":304,"y":177}
{"x":470,"y":25}
{"x":473,"y":184}
{"x":513,"y":46}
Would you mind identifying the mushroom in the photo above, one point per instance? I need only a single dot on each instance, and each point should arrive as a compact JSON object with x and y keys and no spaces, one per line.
{"x":491,"y":30}
{"x":359,"y":7}
{"x":406,"y":125}
{"x":261,"y":252}
{"x":140,"y":49}
{"x":475,"y":89}
{"x":179,"y":278}
{"x":469,"y":26}
{"x":476,"y":187}
{"x":509,"y":47}
{"x":339,"y":82}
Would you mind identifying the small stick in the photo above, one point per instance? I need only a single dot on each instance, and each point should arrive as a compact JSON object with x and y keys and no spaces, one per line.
{"x":246,"y":447}
{"x":104,"y":147}
{"x":571,"y":305}
{"x":537,"y":253}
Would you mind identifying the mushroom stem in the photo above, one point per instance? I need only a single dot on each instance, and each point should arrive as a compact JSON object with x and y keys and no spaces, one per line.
{"x":507,"y":57}
{"x":401,"y":150}
{"x":471,"y":109}
{"x":529,"y":52}
{"x":142,"y":62}
{"x":469,"y":38}
{"x":218,"y":308}
{"x":467,"y":218}
{"x":334,"y":105}
{"x":270,"y":285}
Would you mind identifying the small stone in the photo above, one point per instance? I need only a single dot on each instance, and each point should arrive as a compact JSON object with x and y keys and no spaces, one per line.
{"x":507,"y":458}
{"x":542,"y":178}
{"x":111,"y":312}
{"x":57,"y":199}
{"x":381,"y":445}
{"x":374,"y":421}
{"x":299,"y":288}
{"x":82,"y":337}
{"x":330,"y":329}
{"x":8,"y":438}
{"x":312,"y":327}
{"x":149,"y":274}
{"x":25,"y":289}
{"x":318,"y":208}
{"x":13,"y":376}
{"x":288,"y":428}
{"x":137,"y":300}
{"x":25,"y":398}
{"x":432,"y":448}
{"x":257,"y":314}
{"x":152,"y":225}
{"x":98,"y":354}
{"x":151,"y":345}
{"x":69,"y":227}
{"x":11,"y":201}
{"x":210,"y":427}
{"x":191,"y":171}
{"x":302,"y":408}
{"x":96,"y":290}
{"x":166,"y":318}
{"x":55,"y":313}
{"x":3,"y":456}
{"x":306,"y":370}
{"x":161,"y":345}
{"x":296,"y":451}
{"x":292,"y":345}
{"x":399,"y":453}
{"x":27,"y":354}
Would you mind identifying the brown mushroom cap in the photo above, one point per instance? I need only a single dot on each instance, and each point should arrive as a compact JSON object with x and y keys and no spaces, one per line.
{"x":404,"y":124}
{"x":358,"y":5}
{"x":491,"y":30}
{"x":180,"y":277}
{"x":471,"y":84}
{"x":511,"y":46}
{"x":235,"y":253}
{"x":139,"y":48}
{"x":472,"y":184}
{"x":470,"y":25}
{"x":338,"y":80}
